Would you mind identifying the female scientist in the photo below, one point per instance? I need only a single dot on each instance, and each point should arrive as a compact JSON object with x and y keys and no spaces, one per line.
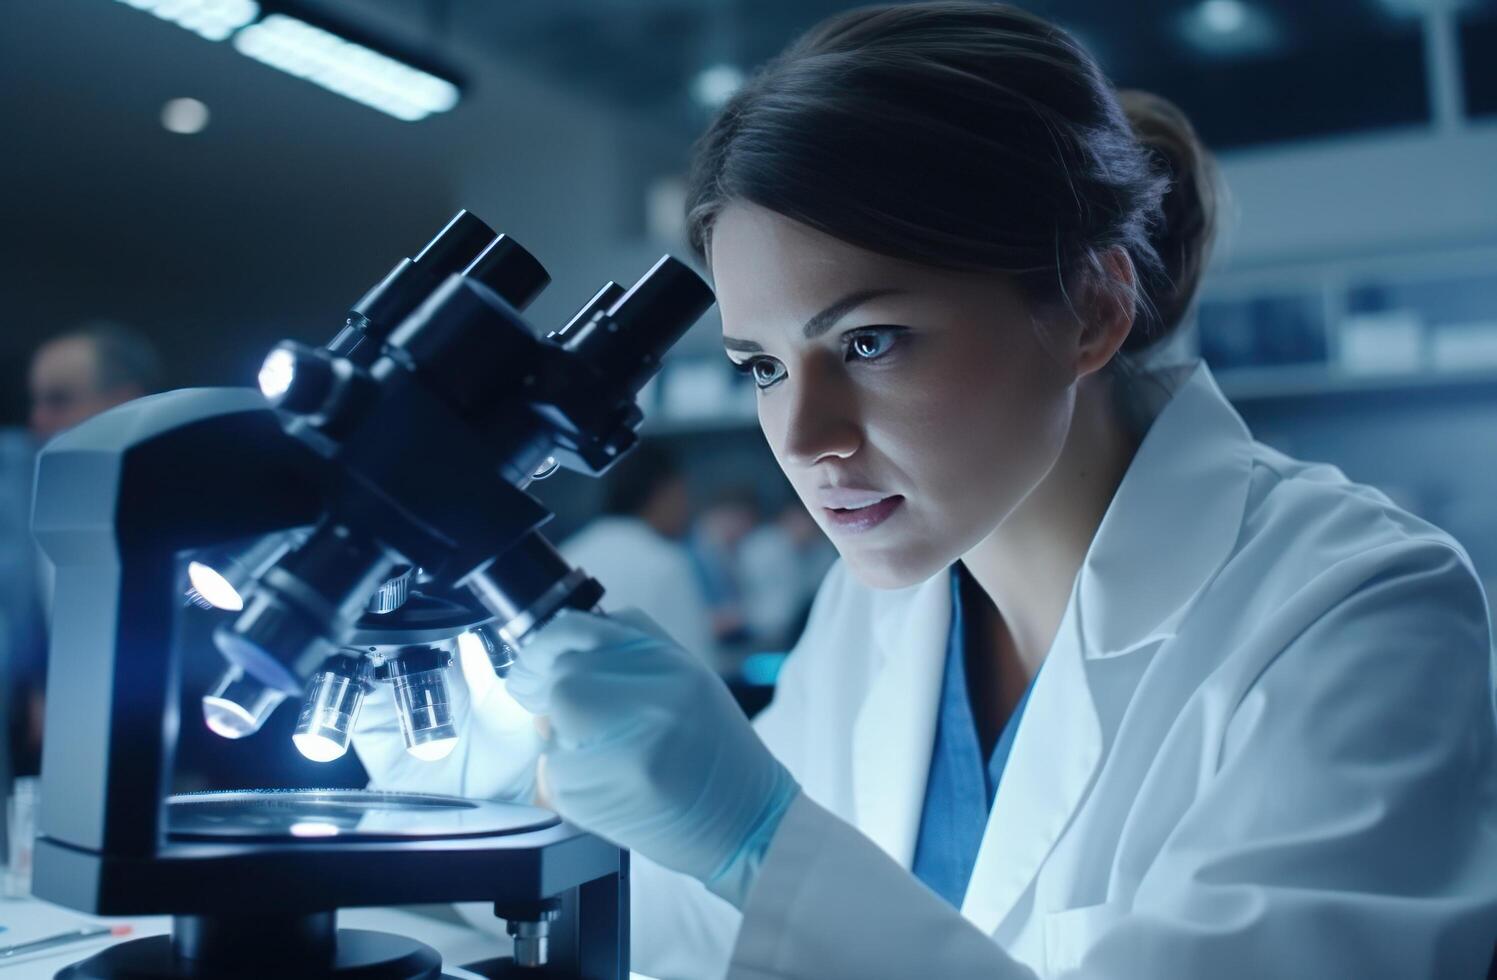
{"x":1101,"y":687}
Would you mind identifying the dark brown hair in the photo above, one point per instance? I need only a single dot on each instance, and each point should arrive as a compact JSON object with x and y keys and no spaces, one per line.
{"x":1184,"y":236}
{"x":963,"y":135}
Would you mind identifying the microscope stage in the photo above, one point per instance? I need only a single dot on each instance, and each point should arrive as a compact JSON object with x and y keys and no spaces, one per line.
{"x":331,"y":815}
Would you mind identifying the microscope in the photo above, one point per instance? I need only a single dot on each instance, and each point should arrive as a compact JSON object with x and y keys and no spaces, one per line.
{"x":360,"y":520}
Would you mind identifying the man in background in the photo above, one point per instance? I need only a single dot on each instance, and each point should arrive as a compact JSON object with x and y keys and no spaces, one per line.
{"x":634,"y":549}
{"x":73,"y":376}
{"x":80,"y":373}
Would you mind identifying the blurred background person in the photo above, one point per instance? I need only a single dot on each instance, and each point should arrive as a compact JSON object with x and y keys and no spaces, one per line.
{"x":780,"y":565}
{"x":87,"y":370}
{"x":730,"y":514}
{"x":635,"y":547}
{"x":73,"y":376}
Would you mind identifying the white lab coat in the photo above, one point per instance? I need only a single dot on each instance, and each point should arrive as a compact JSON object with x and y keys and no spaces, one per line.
{"x":1262,"y":745}
{"x":641,"y":569}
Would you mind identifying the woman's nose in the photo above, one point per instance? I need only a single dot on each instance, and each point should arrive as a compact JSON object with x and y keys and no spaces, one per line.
{"x":820,"y":422}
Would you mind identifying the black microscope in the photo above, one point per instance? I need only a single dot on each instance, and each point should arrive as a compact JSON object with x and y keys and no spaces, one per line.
{"x":360,"y":520}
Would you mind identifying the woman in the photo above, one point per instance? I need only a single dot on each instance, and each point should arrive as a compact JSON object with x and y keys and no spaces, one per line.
{"x":1101,"y":687}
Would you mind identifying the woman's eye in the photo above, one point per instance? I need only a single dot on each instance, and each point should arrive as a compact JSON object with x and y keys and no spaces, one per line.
{"x":765,"y":371}
{"x":870,"y":345}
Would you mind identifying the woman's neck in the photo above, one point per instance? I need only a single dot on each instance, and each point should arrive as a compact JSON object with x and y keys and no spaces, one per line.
{"x":1028,"y":565}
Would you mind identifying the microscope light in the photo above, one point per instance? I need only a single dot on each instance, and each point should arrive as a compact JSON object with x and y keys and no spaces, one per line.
{"x":319,"y":748}
{"x":478,"y":672}
{"x":435,"y":750}
{"x":219,"y":578}
{"x":314,"y":828}
{"x":277,"y":373}
{"x":209,"y":585}
{"x":485,"y":668}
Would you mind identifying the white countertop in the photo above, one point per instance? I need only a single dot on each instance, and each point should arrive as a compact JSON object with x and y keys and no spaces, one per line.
{"x":29,"y":918}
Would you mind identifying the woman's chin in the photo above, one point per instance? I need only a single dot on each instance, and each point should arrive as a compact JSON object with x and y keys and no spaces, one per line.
{"x":889,"y":571}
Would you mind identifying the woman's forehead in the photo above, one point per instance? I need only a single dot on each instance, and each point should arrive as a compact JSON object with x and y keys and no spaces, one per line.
{"x":746,"y":235}
{"x":773,"y":273}
{"x":767,"y":267}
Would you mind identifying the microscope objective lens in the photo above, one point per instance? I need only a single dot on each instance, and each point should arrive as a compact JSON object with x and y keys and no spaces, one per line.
{"x":238,"y":704}
{"x":424,"y":707}
{"x":331,"y":709}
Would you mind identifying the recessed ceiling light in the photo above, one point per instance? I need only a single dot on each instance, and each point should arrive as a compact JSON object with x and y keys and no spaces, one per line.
{"x":1223,"y":16}
{"x":714,"y":86}
{"x":185,"y":116}
{"x":1229,"y":28}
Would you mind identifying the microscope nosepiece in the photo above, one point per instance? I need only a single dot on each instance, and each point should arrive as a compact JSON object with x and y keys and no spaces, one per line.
{"x":272,"y":642}
{"x":300,"y":607}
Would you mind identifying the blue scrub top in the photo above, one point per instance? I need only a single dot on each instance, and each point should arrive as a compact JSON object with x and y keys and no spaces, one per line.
{"x":960,"y":789}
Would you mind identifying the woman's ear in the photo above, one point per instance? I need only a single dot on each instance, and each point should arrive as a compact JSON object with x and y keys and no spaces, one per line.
{"x":1106,"y":311}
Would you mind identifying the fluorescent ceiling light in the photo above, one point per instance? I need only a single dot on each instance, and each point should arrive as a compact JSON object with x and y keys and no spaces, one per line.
{"x":212,"y":19}
{"x":350,"y":69}
{"x":1419,"y":8}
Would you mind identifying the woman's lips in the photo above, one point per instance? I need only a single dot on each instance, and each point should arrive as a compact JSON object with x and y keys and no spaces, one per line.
{"x":863,"y":518}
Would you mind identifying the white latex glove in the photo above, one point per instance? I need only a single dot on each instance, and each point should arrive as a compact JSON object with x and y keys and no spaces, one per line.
{"x":496,"y":751}
{"x":648,"y":749}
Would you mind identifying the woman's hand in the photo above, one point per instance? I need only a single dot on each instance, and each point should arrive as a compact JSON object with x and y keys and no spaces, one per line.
{"x":648,"y":749}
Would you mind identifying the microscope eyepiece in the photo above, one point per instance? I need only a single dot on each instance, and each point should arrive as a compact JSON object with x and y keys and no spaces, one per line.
{"x":456,"y":246}
{"x":466,"y":246}
{"x":434,"y":409}
{"x":509,"y":270}
{"x":640,"y":327}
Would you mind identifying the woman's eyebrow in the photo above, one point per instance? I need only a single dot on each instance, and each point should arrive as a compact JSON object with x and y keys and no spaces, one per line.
{"x":821,"y":322}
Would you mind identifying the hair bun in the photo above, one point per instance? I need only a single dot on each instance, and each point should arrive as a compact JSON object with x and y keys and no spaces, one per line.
{"x":1184,"y":236}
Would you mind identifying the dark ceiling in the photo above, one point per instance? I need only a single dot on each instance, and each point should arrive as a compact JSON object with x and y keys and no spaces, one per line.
{"x":285,"y":207}
{"x":1289,"y":69}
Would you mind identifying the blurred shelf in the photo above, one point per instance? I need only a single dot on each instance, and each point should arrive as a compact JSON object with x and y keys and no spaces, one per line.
{"x":1317,"y":380}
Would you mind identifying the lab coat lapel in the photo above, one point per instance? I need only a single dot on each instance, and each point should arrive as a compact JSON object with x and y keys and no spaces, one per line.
{"x":896,"y":724}
{"x":1171,"y":525}
{"x":1054,"y":755}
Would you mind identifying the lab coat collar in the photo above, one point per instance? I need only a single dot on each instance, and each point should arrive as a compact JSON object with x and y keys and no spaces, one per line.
{"x":1171,"y":524}
{"x":895,"y":727}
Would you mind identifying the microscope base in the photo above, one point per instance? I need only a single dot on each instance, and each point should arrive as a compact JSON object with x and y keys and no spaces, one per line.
{"x":360,"y":955}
